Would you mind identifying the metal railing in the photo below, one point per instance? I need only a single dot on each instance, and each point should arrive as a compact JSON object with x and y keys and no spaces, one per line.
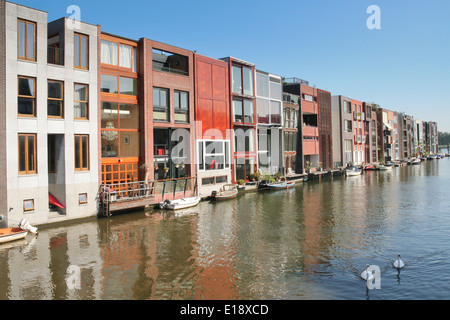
{"x":135,"y":190}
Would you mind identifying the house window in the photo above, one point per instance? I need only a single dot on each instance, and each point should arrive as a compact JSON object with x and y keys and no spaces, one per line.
{"x":170,"y":62}
{"x":28,"y":205}
{"x":120,"y":136}
{"x":242,"y":80}
{"x":27,"y":154}
{"x":128,"y":86}
{"x":243,"y":111}
{"x":213,"y":155}
{"x":161,"y":104}
{"x":26,"y":40}
{"x":55,"y":99}
{"x":81,"y":53}
{"x":119,"y":54}
{"x":109,"y":84}
{"x":244,"y":140}
{"x":26,"y":96}
{"x":81,"y":152}
{"x":81,"y":101}
{"x":181,"y":101}
{"x":82,"y":198}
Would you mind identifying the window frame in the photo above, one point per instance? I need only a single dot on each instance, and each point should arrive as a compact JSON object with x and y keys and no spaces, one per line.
{"x":78,"y":64}
{"x":27,"y":97}
{"x":26,"y":151}
{"x":28,"y":210}
{"x":26,"y":57}
{"x":61,"y":100}
{"x":81,"y":101}
{"x":179,"y":109}
{"x":226,"y":154}
{"x":167,"y":108}
{"x":80,"y":152}
{"x":244,"y":115}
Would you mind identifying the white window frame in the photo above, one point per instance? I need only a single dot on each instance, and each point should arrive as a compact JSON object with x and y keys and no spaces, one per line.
{"x":225,"y":146}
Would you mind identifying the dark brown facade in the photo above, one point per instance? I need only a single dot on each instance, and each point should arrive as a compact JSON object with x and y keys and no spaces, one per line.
{"x":325,"y":129}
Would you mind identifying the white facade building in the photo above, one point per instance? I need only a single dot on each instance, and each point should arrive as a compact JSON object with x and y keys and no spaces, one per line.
{"x":49,"y":128}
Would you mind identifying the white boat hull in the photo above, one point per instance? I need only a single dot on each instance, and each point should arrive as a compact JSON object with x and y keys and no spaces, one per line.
{"x":180,"y":204}
{"x":13,"y":237}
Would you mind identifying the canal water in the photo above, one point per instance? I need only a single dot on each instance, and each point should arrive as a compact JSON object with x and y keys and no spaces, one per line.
{"x":310,"y":242}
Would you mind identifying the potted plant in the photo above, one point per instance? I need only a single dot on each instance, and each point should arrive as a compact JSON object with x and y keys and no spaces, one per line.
{"x":278,"y":176}
{"x":258,"y":176}
{"x":320,"y":166}
{"x":166,"y":169}
{"x":308,"y":167}
{"x":241,"y":182}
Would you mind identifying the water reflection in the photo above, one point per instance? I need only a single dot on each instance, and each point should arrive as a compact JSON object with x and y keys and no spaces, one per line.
{"x":309,"y":242}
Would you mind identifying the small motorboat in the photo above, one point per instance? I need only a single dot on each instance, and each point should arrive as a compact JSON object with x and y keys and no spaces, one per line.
{"x":228,"y":191}
{"x":415,"y":161}
{"x":384,"y":168}
{"x":371,"y":168}
{"x":281,"y":185}
{"x":352,"y":171}
{"x":179,"y":204}
{"x":12,"y":234}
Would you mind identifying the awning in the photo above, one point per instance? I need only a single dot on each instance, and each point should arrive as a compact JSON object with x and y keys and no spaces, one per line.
{"x":389,"y":126}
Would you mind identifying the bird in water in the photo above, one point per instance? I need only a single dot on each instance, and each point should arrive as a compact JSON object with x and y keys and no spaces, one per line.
{"x":367,"y":274}
{"x":399,"y":263}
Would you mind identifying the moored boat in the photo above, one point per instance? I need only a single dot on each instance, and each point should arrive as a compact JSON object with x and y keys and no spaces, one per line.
{"x":353,"y":171}
{"x":384,"y":168}
{"x":371,"y":168}
{"x":228,"y":191}
{"x":281,"y":185}
{"x":12,"y":234}
{"x":179,"y":203}
{"x":415,"y":161}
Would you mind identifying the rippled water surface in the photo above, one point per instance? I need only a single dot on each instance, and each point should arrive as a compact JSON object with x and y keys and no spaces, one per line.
{"x":310,"y":242}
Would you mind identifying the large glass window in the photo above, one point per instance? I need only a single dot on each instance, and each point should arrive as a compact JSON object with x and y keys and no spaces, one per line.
{"x":109,"y":84}
{"x":55,"y":99}
{"x":170,"y":62}
{"x":27,"y":154}
{"x":237,"y":79}
{"x":81,"y":45}
{"x":119,"y":54}
{"x":248,"y":111}
{"x":128,"y":86}
{"x":262,"y":106}
{"x":262,"y":85}
{"x":181,"y":102}
{"x":26,"y":96}
{"x":81,"y":101}
{"x":248,"y":81}
{"x":242,"y":80}
{"x":213,"y":155}
{"x":160,"y":104}
{"x":244,"y":140}
{"x":110,"y":52}
{"x":275,"y":112}
{"x":26,"y":40}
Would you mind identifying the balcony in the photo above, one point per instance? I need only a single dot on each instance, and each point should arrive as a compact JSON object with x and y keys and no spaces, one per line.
{"x":309,"y":107}
{"x":55,"y":56}
{"x":309,"y":131}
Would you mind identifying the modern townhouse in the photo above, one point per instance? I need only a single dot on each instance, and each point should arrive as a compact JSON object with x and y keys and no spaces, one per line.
{"x":370,"y":130}
{"x":213,"y":124}
{"x":48,"y":122}
{"x":243,"y":119}
{"x":325,"y":129}
{"x":342,"y":127}
{"x":359,"y":133}
{"x":269,"y":114}
{"x":309,"y":152}
{"x":386,"y":134}
{"x":291,"y":107}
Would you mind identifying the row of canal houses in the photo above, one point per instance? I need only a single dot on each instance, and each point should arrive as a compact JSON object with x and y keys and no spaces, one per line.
{"x":81,"y":108}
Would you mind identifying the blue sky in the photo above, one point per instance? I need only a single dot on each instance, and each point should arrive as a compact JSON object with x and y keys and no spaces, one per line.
{"x":404,"y":66}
